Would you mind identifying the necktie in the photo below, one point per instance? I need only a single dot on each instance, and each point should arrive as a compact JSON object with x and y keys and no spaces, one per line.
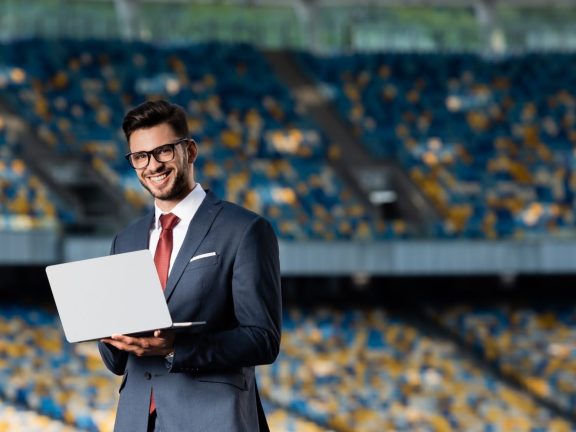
{"x":164,"y":247}
{"x":162,"y":261}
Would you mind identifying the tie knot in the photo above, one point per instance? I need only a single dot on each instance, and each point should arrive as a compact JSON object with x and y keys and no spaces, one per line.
{"x":168,"y":221}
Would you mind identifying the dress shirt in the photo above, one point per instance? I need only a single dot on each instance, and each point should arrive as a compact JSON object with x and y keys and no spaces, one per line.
{"x":185,"y":210}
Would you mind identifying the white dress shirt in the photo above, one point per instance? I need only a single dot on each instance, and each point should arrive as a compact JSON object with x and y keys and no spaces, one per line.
{"x":185,"y":210}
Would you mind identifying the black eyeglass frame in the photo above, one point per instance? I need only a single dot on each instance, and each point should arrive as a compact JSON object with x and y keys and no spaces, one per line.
{"x":154,"y":152}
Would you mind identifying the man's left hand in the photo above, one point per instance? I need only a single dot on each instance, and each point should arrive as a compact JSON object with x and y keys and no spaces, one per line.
{"x":160,"y":344}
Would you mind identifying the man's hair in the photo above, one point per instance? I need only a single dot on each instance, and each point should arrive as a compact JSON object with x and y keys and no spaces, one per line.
{"x":154,"y":113}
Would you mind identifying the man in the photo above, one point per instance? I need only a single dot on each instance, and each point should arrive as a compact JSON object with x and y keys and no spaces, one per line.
{"x":219,"y":263}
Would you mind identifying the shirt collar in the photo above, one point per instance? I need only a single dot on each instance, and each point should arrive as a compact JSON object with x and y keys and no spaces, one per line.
{"x":185,"y":209}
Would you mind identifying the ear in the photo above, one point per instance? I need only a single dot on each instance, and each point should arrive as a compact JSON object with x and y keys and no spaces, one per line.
{"x":192,"y":149}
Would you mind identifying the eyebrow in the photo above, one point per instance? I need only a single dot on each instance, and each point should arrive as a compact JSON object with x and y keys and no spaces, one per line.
{"x":177,"y":141}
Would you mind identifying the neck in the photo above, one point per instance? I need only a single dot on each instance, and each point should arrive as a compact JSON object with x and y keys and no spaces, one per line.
{"x":167,"y":205}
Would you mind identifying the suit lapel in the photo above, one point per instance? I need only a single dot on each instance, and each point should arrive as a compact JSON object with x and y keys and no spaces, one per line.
{"x":142,"y":232}
{"x":199,"y":226}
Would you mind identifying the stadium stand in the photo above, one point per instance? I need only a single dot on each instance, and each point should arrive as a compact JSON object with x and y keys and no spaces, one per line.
{"x":18,"y":419}
{"x":75,"y":93}
{"x":429,"y":112}
{"x":532,"y":345}
{"x":343,"y":370}
{"x":489,"y":141}
{"x":46,"y":374}
{"x":374,"y":370}
{"x":25,"y":202}
{"x":48,"y":384}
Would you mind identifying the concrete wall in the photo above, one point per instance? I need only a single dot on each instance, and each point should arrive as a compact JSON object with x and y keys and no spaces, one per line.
{"x":393,"y":258}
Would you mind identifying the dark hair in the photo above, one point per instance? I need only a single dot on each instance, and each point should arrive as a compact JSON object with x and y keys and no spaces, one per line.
{"x":154,"y":113}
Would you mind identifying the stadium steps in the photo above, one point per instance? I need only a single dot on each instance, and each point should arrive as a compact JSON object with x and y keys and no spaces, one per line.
{"x":426,"y":320}
{"x":366,"y":176}
{"x":99,"y":205}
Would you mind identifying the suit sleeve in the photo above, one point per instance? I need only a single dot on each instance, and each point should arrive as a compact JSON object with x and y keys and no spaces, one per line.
{"x":114,"y":359}
{"x":257,"y":306}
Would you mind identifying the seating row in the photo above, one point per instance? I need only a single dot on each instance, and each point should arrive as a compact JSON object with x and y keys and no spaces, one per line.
{"x":532,"y":346}
{"x":489,"y":141}
{"x":347,"y":370}
{"x":25,"y":203}
{"x":50,"y":385}
{"x":14,"y":418}
{"x":374,"y":370}
{"x":75,"y":93}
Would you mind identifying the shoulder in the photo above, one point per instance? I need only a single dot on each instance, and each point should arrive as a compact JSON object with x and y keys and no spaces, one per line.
{"x":137,"y":225}
{"x":232,"y":210}
{"x":135,"y":234}
{"x":241,"y":219}
{"x":233,"y":213}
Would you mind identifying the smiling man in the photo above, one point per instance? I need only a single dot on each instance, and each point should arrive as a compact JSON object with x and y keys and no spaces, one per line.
{"x":217,"y":262}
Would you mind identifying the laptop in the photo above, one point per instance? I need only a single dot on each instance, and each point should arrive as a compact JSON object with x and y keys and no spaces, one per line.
{"x":115,"y":294}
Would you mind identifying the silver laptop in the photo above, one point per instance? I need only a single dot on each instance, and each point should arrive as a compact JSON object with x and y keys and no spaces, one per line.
{"x":116,"y":294}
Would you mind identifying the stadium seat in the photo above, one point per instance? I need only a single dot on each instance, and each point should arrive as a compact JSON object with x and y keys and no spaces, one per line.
{"x":494,"y":135}
{"x":76,"y":93}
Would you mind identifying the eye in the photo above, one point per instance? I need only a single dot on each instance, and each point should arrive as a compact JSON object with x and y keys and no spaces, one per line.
{"x":139,"y":156}
{"x":164,"y":150}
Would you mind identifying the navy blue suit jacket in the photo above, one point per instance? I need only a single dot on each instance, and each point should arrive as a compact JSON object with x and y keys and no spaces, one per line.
{"x":210,"y":385}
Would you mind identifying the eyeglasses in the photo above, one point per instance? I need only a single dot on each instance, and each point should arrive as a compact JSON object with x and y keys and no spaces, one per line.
{"x":163,"y":153}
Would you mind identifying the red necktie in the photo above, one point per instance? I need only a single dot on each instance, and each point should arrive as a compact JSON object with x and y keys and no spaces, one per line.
{"x":164,"y":247}
{"x":162,"y":261}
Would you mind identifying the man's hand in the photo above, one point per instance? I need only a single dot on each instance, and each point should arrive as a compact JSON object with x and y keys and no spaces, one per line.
{"x":160,"y":344}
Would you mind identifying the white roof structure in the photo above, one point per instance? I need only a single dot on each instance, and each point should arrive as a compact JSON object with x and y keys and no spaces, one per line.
{"x":320,"y":25}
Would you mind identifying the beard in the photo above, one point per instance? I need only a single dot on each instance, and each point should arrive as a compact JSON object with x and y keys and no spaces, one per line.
{"x":179,"y":188}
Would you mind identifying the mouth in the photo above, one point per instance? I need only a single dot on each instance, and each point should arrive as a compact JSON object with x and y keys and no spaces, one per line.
{"x":158,"y":179}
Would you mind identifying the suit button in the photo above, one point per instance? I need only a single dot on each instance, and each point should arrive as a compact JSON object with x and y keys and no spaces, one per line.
{"x":148,"y":375}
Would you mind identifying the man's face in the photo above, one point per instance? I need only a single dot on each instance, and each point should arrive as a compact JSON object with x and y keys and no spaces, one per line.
{"x":167,"y":182}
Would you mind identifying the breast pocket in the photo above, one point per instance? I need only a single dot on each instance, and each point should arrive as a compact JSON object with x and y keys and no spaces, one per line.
{"x":196,"y":280}
{"x":203,"y":260}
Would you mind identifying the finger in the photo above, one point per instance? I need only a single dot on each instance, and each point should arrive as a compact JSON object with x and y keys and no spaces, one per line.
{"x":142,"y":348}
{"x":148,"y":347}
{"x":135,"y":344}
{"x":126,"y":339}
{"x":119,"y":345}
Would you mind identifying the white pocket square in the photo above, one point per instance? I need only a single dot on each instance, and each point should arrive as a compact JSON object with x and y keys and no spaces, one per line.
{"x":204,"y":255}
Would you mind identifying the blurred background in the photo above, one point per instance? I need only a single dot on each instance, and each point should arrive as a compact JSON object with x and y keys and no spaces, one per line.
{"x":416,"y":158}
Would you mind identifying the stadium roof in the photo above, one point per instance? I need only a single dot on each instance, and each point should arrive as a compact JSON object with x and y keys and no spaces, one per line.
{"x":319,"y":25}
{"x":370,"y":3}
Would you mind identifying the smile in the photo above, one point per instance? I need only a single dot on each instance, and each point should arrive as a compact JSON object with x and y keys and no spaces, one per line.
{"x":158,"y":178}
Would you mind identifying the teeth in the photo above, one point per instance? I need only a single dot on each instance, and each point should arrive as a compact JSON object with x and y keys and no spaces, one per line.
{"x":158,"y":178}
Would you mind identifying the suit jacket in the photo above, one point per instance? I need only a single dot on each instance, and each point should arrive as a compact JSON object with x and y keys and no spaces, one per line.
{"x":211,"y":384}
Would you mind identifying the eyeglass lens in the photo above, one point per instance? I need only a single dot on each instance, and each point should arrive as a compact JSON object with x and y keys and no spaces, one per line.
{"x":164,"y":153}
